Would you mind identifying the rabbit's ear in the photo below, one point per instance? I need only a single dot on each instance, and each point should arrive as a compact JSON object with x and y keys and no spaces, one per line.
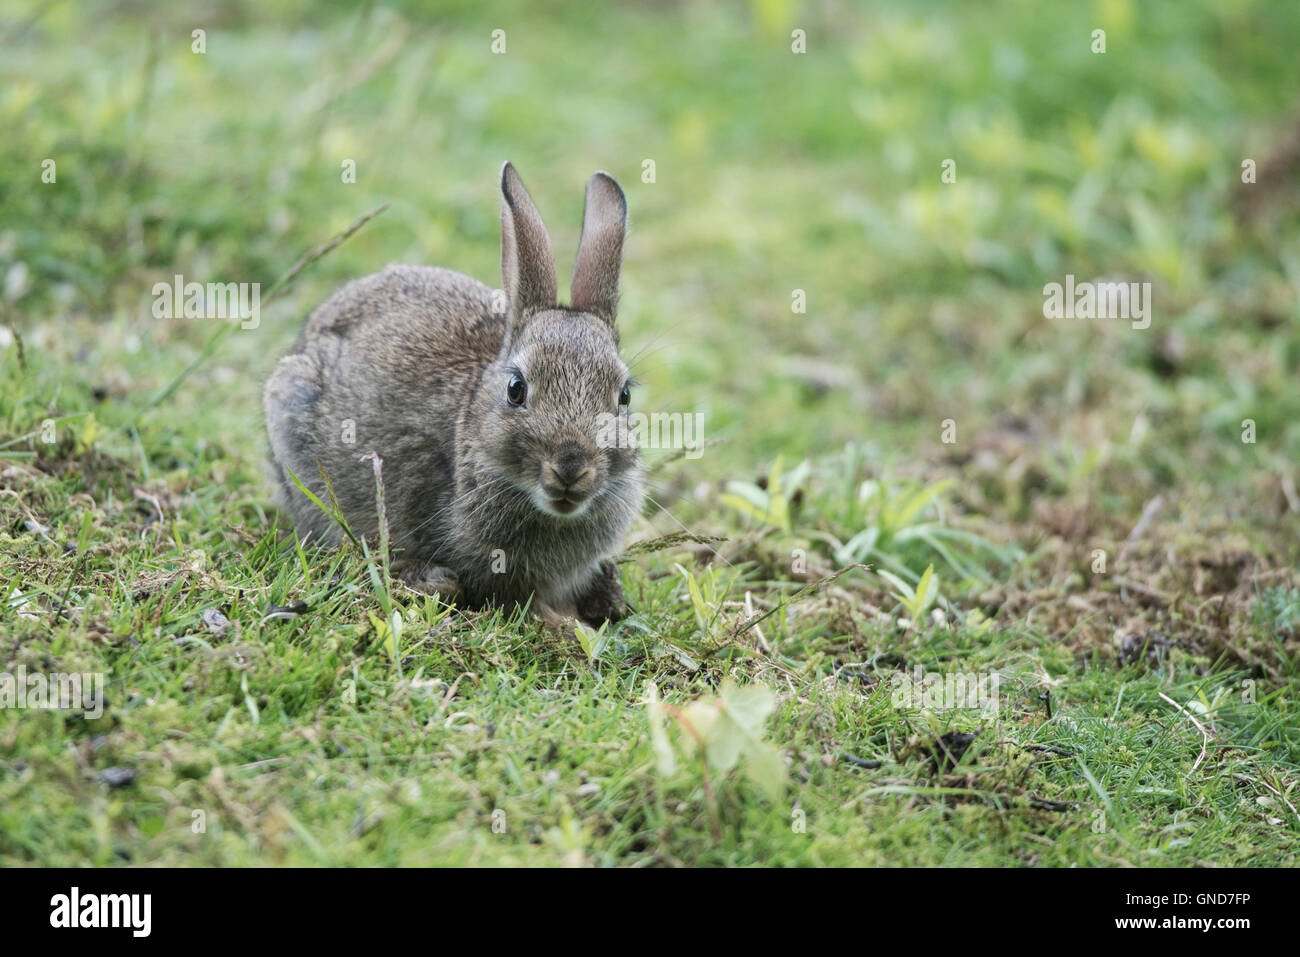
{"x":527,"y":265}
{"x":600,"y":251}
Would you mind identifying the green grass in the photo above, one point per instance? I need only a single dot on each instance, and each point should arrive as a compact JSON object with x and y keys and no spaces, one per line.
{"x":1147,"y":711}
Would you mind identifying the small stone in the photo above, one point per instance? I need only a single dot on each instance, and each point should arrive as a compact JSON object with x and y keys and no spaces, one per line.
{"x":116,"y":777}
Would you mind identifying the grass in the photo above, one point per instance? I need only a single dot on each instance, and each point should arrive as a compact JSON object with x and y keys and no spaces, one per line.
{"x":1097,"y":534}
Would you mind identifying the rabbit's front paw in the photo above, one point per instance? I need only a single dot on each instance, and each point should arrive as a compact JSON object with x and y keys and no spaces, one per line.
{"x":603,"y":600}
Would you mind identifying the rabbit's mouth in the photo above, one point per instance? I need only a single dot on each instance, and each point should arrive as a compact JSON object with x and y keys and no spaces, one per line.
{"x":564,"y":505}
{"x":567,"y":482}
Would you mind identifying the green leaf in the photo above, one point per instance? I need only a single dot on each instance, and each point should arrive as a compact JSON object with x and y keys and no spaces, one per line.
{"x":248,"y":700}
{"x":776,"y":505}
{"x":927,"y":589}
{"x":729,"y":728}
{"x":903,"y":591}
{"x":798,"y":475}
{"x":384,"y":630}
{"x":665,"y":760}
{"x":83,"y":536}
{"x":741,"y":505}
{"x":725,"y":741}
{"x":751,"y":493}
{"x":748,"y":705}
{"x":334,"y":514}
{"x":586,"y":638}
{"x":697,"y":601}
{"x":859,"y":546}
{"x":766,"y":769}
{"x":699,"y":718}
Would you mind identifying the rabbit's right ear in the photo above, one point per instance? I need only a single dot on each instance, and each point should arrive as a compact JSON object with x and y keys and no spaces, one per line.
{"x":527,"y":265}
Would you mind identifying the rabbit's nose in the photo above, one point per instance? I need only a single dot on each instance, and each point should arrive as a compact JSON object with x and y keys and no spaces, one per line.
{"x":570,"y":470}
{"x":569,"y":474}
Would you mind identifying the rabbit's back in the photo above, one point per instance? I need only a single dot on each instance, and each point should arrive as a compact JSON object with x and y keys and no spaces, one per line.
{"x":411,"y":314}
{"x":383,"y":365}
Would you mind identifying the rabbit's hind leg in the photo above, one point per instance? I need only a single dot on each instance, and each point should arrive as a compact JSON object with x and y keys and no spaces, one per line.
{"x":430,"y":579}
{"x":290,"y":403}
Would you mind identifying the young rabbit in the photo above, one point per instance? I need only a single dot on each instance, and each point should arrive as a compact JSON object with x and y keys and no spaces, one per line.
{"x":503,"y":480}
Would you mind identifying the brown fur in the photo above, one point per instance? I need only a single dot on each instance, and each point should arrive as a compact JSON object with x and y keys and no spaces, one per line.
{"x":416,"y":359}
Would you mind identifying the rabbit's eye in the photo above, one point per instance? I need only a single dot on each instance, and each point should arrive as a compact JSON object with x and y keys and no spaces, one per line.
{"x":516,"y":390}
{"x":625,"y":397}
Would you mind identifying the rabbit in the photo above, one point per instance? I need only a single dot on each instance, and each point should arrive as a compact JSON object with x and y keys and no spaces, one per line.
{"x":501,"y":420}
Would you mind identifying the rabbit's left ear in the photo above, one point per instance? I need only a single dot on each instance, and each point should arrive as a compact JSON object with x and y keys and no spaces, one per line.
{"x":600,"y":251}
